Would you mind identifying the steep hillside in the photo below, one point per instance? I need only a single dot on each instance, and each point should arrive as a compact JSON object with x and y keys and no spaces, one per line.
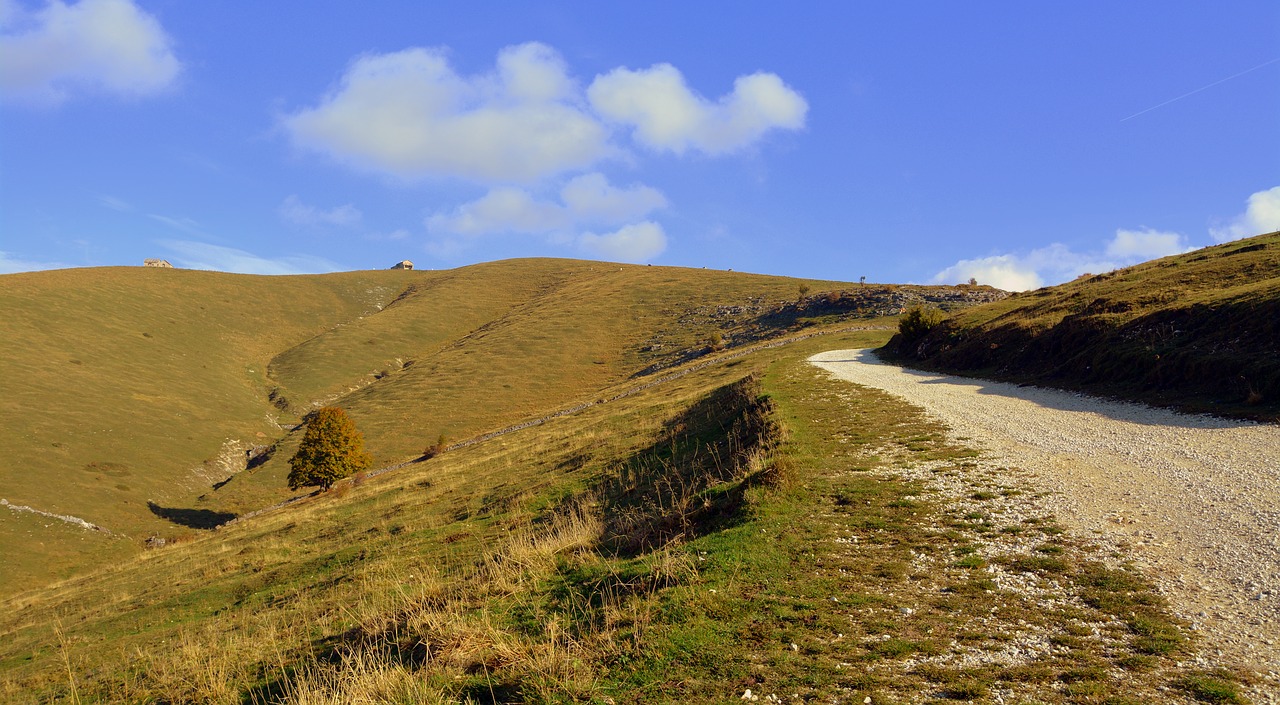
{"x":1199,"y":331}
{"x":134,"y":398}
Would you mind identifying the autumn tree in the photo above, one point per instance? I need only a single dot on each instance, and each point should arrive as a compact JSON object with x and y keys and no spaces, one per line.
{"x":331,"y":449}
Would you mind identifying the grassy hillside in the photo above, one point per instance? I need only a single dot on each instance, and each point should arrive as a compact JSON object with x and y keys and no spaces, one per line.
{"x":1199,"y":331}
{"x":120,"y":383}
{"x":132,"y":394}
{"x":738,"y":527}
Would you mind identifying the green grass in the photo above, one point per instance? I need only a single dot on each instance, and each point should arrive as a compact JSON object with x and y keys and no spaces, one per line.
{"x":1196,"y":331}
{"x":1212,"y":687}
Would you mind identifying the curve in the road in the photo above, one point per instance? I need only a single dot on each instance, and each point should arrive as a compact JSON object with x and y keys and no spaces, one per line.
{"x":1197,"y":498}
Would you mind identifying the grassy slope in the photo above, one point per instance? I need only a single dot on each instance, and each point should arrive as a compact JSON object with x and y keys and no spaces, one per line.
{"x":488,"y":573}
{"x":579,"y":329}
{"x":122,"y":384}
{"x":1199,"y":331}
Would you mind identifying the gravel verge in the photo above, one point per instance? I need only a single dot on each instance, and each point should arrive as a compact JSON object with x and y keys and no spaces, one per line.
{"x":1193,"y":500}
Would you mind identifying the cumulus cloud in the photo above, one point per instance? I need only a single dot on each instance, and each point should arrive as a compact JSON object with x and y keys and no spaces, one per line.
{"x":501,"y":210}
{"x":1007,"y":272}
{"x":1261,"y":215}
{"x":293,"y":210}
{"x":1057,"y":263}
{"x":667,"y":115}
{"x":588,"y":199}
{"x":584,"y":201}
{"x":108,"y":46}
{"x":201,"y":255}
{"x":632,"y":243}
{"x":528,"y":124}
{"x":1145,"y":244}
{"x":591,"y":198}
{"x":410,"y":114}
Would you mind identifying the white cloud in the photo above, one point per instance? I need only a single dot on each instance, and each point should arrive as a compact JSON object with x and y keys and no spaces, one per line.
{"x":200,"y":255}
{"x":1261,"y":215}
{"x":632,"y":243}
{"x":590,"y":198}
{"x":1145,"y":244}
{"x":108,"y":46}
{"x":1006,"y":272}
{"x":10,"y":264}
{"x":502,"y":210}
{"x":585,"y":199}
{"x":408,"y":113}
{"x":1057,"y":263}
{"x":293,"y":210}
{"x":668,"y":115}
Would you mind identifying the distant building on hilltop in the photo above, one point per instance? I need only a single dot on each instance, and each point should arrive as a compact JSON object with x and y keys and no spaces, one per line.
{"x":406,"y":264}
{"x":156,"y":263}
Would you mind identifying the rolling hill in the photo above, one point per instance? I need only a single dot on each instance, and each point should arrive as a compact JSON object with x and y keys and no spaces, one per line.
{"x":135,"y":397}
{"x":661,"y":521}
{"x":1198,"y":331}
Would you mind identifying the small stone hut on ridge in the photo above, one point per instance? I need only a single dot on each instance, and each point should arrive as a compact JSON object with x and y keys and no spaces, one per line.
{"x":157,"y":263}
{"x":406,"y":264}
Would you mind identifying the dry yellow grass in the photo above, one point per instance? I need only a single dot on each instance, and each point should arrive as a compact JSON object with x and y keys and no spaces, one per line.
{"x":135,"y":390}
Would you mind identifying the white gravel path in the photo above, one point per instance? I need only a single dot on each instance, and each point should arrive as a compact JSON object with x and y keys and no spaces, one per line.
{"x":1194,"y":499}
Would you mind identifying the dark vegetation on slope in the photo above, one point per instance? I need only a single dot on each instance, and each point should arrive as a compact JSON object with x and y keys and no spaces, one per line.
{"x":1199,"y":331}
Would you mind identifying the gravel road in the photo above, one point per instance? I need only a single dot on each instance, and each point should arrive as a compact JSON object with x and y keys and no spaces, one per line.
{"x":1195,"y":500}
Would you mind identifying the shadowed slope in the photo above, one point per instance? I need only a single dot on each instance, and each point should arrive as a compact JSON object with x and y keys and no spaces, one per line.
{"x":1199,"y":331}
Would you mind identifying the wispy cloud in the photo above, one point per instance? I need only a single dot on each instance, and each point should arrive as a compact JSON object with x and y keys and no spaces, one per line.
{"x":10,"y":264}
{"x":584,"y":200}
{"x":202,"y":255}
{"x":114,"y":203}
{"x":93,"y":46}
{"x":293,"y":210}
{"x":631,"y":243}
{"x":186,"y":225}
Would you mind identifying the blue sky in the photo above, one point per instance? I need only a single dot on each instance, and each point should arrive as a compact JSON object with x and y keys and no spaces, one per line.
{"x":1018,"y":143}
